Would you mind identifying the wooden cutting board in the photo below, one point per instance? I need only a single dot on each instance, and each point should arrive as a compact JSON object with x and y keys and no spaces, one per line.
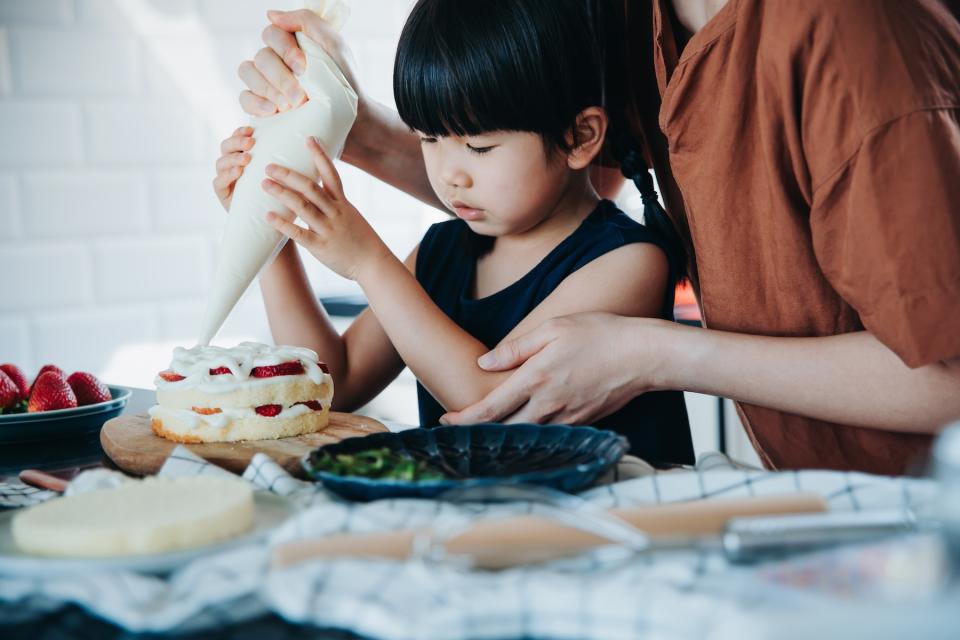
{"x":132,"y":445}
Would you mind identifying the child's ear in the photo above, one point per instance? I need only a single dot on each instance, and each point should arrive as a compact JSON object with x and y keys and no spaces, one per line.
{"x":586,"y":137}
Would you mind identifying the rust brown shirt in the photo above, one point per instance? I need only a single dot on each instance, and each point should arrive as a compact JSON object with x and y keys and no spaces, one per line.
{"x":809,"y":153}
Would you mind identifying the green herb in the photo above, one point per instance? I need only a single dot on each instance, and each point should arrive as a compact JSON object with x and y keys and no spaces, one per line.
{"x":377,"y":463}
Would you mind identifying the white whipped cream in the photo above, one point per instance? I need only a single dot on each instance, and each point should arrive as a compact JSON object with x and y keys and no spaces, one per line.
{"x":194,"y":365}
{"x":225,"y":416}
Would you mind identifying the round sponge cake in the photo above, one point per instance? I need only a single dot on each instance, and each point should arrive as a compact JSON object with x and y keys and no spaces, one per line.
{"x":154,"y":515}
{"x":187,"y":427}
{"x":249,"y":392}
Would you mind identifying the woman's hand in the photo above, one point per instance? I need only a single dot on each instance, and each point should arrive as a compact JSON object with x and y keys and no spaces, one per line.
{"x":234,"y":156}
{"x":337,"y":235}
{"x":271,"y":76}
{"x":572,"y":370}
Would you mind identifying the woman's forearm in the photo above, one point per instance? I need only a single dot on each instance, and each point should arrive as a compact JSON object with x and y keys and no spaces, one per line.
{"x":383,"y":146}
{"x":848,"y":379}
{"x":294,"y":313}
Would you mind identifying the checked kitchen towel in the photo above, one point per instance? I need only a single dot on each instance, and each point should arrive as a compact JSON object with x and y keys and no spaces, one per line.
{"x":606,"y":594}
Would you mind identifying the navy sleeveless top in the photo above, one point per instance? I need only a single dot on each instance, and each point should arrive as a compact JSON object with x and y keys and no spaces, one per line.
{"x":655,"y":423}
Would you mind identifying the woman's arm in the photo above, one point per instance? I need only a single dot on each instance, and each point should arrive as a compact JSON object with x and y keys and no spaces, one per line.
{"x":849,"y":379}
{"x":578,"y":367}
{"x":383,"y":146}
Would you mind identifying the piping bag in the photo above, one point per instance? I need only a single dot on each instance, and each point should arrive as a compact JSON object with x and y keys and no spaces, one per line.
{"x":249,"y":243}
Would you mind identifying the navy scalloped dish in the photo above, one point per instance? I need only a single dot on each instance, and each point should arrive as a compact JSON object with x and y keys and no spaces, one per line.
{"x":559,"y":457}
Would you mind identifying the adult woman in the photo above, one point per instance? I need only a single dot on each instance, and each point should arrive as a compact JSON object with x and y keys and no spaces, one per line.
{"x":816,"y":147}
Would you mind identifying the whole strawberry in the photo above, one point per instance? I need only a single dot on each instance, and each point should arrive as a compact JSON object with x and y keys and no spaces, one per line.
{"x":50,"y":391}
{"x":19,"y":379}
{"x":49,"y":367}
{"x":87,"y":388}
{"x":9,"y":394}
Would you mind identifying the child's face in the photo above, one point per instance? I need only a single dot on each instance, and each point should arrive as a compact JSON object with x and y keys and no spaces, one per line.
{"x":501,"y":183}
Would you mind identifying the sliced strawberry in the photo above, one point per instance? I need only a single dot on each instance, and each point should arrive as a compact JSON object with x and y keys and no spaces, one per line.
{"x":16,"y":374}
{"x":206,"y":411}
{"x":274,"y":370}
{"x":9,"y":393}
{"x":324,"y":367}
{"x":50,"y":392}
{"x":269,"y":410}
{"x":219,"y":371}
{"x":313,"y":404}
{"x":170,"y":376}
{"x":88,"y":389}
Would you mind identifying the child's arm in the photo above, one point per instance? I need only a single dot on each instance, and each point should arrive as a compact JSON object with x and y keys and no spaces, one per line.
{"x":362,"y":361}
{"x":442,"y":355}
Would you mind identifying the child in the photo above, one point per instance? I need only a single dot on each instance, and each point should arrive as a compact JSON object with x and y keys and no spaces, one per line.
{"x":508,"y":100}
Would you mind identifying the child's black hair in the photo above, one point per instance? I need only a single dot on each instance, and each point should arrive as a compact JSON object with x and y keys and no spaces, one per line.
{"x":467,"y":68}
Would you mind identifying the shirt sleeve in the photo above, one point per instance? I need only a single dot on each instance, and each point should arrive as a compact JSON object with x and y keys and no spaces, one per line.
{"x":886,"y":231}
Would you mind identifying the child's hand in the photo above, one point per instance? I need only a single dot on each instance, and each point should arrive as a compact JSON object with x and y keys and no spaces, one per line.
{"x":338,"y":236}
{"x":233,"y":159}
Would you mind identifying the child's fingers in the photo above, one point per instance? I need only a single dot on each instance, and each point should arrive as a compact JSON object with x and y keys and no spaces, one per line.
{"x":328,"y":172}
{"x":223,"y":183}
{"x":293,"y":231}
{"x":307,"y":211}
{"x":228,"y":176}
{"x":303,"y":186}
{"x":229,"y":161}
{"x":237,"y":142}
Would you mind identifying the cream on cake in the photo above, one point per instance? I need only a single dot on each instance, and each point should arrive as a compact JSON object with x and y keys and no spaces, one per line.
{"x":249,"y":392}
{"x":154,"y":515}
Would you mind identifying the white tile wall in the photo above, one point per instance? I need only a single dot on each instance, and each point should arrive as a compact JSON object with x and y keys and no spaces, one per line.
{"x":5,"y":81}
{"x":111,"y":113}
{"x":83,"y":203}
{"x":142,"y":132}
{"x":51,"y":62}
{"x":9,"y":217}
{"x":85,"y":340}
{"x":32,"y":12}
{"x":40,"y":134}
{"x":45,"y":275}
{"x":14,"y":338}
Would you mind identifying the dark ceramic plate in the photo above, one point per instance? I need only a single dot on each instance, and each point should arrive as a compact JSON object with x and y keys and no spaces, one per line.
{"x":560,"y":457}
{"x":62,"y":423}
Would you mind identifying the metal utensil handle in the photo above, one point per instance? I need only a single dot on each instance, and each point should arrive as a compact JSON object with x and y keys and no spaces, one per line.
{"x":751,"y":539}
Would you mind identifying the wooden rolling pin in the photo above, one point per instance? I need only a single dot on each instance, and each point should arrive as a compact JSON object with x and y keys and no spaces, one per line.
{"x":506,"y":542}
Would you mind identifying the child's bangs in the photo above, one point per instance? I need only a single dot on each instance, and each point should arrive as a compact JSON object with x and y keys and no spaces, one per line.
{"x":437,"y":99}
{"x":465,"y":68}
